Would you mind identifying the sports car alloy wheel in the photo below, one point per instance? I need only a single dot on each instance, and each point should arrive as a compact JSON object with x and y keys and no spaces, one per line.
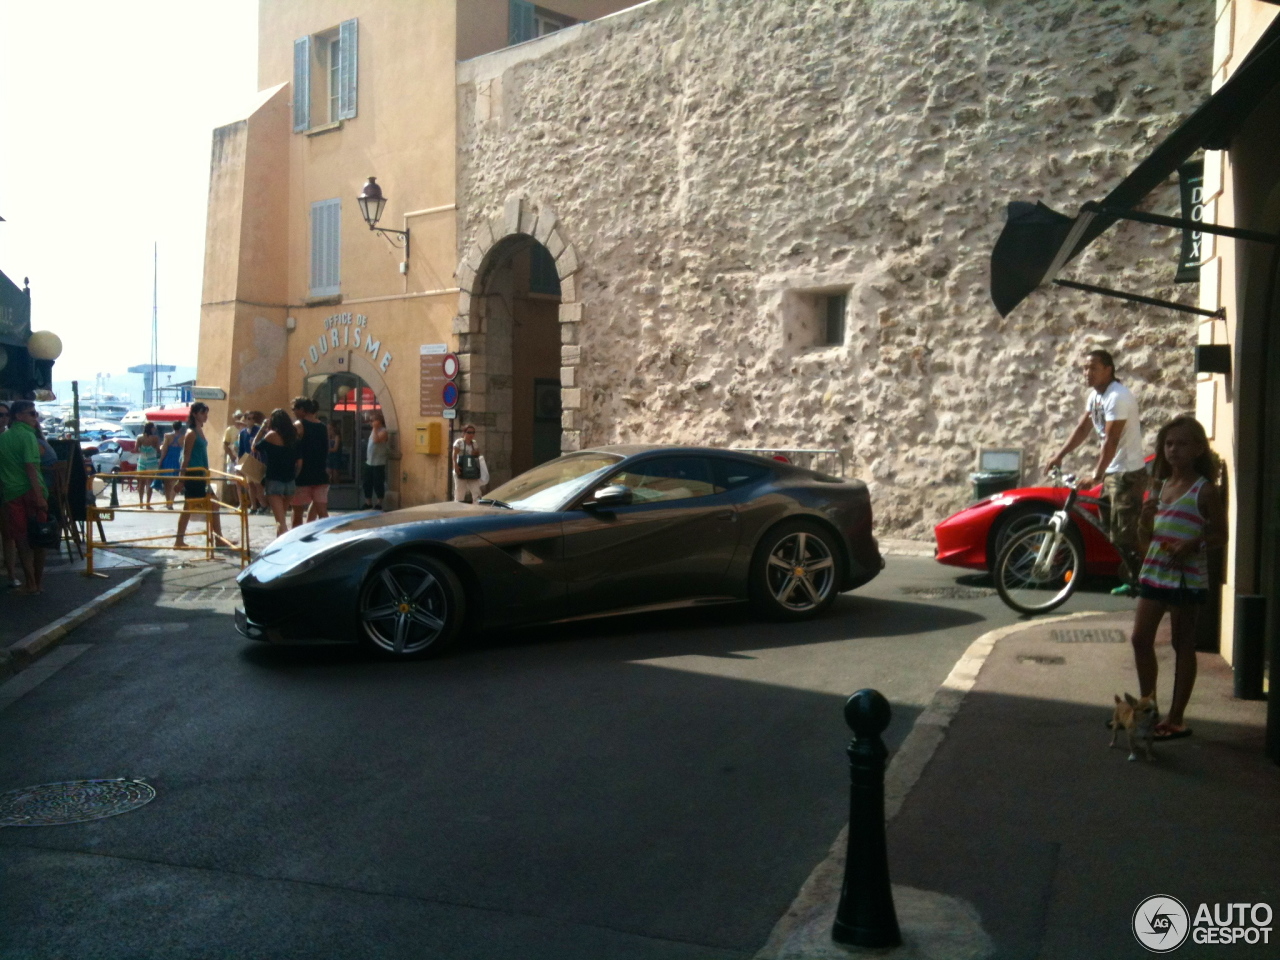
{"x":799,"y":572}
{"x":410,"y":607}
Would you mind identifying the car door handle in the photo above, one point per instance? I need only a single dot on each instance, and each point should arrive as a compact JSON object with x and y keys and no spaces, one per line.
{"x":727,"y":515}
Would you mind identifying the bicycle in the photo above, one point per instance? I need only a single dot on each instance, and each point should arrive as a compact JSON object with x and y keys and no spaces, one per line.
{"x":1039,"y":568}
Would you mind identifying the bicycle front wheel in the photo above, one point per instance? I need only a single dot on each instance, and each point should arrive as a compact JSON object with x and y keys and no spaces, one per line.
{"x":1038,"y":570}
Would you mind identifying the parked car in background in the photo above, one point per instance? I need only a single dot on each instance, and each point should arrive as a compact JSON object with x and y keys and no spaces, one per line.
{"x":113,"y":455}
{"x":973,"y":537}
{"x":608,"y":530}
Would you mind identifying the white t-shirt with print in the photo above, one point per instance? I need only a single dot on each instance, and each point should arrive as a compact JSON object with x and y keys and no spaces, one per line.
{"x":1117,"y":403}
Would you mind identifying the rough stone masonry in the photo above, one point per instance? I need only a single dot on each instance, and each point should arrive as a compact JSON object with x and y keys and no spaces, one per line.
{"x":717,"y":166}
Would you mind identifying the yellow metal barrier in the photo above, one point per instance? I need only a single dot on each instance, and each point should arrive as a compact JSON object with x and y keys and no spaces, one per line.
{"x":206,"y":506}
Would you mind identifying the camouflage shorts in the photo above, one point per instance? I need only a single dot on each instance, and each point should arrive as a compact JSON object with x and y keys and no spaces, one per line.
{"x":1125,"y":491}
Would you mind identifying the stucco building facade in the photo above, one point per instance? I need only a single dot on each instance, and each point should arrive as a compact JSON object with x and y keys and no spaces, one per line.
{"x":755,"y":224}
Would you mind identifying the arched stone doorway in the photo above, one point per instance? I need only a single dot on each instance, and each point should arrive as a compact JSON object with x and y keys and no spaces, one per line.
{"x":517,"y":325}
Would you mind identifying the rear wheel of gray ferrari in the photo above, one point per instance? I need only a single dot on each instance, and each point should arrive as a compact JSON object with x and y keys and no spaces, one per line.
{"x":411,"y":606}
{"x":795,"y":573}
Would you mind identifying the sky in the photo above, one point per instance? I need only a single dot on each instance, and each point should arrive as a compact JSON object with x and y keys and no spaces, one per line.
{"x":106,"y":118}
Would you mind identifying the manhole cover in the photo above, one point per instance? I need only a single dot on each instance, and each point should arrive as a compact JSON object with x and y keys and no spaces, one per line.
{"x":949,"y":593}
{"x":1088,"y":636}
{"x":1042,"y":660}
{"x":75,"y":801}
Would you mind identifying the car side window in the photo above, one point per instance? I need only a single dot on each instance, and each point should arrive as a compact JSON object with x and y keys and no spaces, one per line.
{"x":668,"y":478}
{"x":731,"y":474}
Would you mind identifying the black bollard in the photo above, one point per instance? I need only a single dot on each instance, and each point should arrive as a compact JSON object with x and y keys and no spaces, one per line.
{"x":865,"y":917}
{"x":115,"y":500}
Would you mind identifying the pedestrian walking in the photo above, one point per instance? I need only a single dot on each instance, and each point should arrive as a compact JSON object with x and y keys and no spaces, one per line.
{"x":148,"y":447}
{"x":8,"y":549}
{"x":312,"y":493}
{"x":375,"y":461}
{"x":278,"y":444}
{"x":253,"y":426}
{"x":23,"y":490}
{"x":196,"y":494}
{"x":1112,"y":413}
{"x":170,"y":460}
{"x":336,"y":461}
{"x":466,"y":466}
{"x":230,"y":443}
{"x":1180,"y":524}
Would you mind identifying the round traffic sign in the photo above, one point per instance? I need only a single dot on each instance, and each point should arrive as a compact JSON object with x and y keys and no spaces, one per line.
{"x":450,"y":395}
{"x":450,"y":365}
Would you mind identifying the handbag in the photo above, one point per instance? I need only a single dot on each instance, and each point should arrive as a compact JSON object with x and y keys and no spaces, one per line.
{"x":469,"y":467}
{"x":484,"y":473}
{"x":44,"y":533}
{"x":251,"y":468}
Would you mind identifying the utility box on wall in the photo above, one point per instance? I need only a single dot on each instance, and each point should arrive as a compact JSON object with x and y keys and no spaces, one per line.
{"x":429,"y":438}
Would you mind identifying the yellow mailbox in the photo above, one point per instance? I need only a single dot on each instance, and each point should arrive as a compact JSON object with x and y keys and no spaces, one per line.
{"x":429,"y":438}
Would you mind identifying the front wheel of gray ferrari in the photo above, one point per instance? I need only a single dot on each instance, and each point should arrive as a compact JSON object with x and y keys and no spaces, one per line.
{"x":411,"y":606}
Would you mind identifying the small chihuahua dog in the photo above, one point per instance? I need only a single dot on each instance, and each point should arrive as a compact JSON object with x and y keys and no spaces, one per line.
{"x":1139,"y":718}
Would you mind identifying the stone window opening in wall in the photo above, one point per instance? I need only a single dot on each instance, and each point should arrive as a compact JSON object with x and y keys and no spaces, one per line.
{"x":815,"y":319}
{"x":325,"y":71}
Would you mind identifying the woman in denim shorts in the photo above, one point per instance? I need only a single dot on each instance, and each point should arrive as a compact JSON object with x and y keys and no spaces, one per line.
{"x":279,"y":445}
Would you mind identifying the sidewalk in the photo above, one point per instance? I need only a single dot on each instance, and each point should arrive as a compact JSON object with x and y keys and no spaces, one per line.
{"x":1024,"y":836}
{"x":31,"y":626}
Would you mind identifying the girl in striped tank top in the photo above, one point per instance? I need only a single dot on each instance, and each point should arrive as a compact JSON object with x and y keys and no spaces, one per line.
{"x":1180,"y":524}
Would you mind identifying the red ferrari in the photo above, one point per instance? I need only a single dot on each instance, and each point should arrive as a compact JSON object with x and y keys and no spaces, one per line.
{"x":974,"y":537}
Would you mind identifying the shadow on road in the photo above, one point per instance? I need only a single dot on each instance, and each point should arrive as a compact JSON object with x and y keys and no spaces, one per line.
{"x":727,"y":630}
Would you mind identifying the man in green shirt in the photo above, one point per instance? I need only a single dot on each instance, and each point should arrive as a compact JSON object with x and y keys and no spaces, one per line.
{"x":22,"y":488}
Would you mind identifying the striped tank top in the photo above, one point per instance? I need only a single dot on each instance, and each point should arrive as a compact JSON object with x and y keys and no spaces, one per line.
{"x":1175,"y":523}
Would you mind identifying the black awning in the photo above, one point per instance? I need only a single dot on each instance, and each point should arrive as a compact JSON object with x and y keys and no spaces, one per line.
{"x":1023,"y":255}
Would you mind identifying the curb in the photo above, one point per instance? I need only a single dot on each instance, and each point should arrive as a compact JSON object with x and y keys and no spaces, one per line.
{"x":36,"y":644}
{"x":807,"y":923}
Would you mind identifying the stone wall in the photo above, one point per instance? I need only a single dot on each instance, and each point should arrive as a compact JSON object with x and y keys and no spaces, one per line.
{"x":712,"y":163}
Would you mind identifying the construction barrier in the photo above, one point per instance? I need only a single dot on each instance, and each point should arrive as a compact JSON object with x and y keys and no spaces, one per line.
{"x":206,"y":506}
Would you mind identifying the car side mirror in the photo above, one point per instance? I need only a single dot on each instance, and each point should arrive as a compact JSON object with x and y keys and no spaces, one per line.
{"x":614,"y":495}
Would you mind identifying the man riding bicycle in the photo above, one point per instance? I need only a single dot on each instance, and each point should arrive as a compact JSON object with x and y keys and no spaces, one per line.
{"x":1112,"y":412}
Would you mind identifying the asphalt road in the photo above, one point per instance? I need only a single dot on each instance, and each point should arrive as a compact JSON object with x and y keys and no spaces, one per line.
{"x":640,"y":787}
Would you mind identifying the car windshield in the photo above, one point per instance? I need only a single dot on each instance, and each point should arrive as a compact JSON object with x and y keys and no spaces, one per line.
{"x":548,"y":485}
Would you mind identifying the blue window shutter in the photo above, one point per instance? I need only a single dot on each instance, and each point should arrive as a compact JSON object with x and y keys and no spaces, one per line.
{"x":301,"y":84}
{"x":348,"y":59}
{"x":520,"y":26}
{"x":325,"y":248}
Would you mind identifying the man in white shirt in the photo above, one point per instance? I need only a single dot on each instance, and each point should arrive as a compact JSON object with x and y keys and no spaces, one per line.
{"x":464,"y":486}
{"x":1112,"y":413}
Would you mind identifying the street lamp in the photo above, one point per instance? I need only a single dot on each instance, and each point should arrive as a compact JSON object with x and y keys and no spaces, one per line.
{"x":371,"y":203}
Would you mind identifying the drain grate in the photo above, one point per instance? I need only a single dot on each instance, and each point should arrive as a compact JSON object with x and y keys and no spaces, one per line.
{"x":1088,"y":636}
{"x":949,"y":593}
{"x":74,"y":801}
{"x":1041,"y":659}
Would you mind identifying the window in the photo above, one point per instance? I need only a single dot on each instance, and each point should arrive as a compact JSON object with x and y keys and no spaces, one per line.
{"x":814,"y":318}
{"x":833,"y":308}
{"x":731,"y":474}
{"x":330,"y":58}
{"x":525,"y":21}
{"x":325,"y":248}
{"x":333,"y":48}
{"x":669,"y":478}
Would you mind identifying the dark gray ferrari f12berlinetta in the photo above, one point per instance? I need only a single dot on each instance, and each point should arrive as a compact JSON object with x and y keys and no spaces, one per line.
{"x":607,"y":530}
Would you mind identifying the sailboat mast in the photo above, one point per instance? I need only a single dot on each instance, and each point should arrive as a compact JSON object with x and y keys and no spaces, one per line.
{"x":155,"y":327}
